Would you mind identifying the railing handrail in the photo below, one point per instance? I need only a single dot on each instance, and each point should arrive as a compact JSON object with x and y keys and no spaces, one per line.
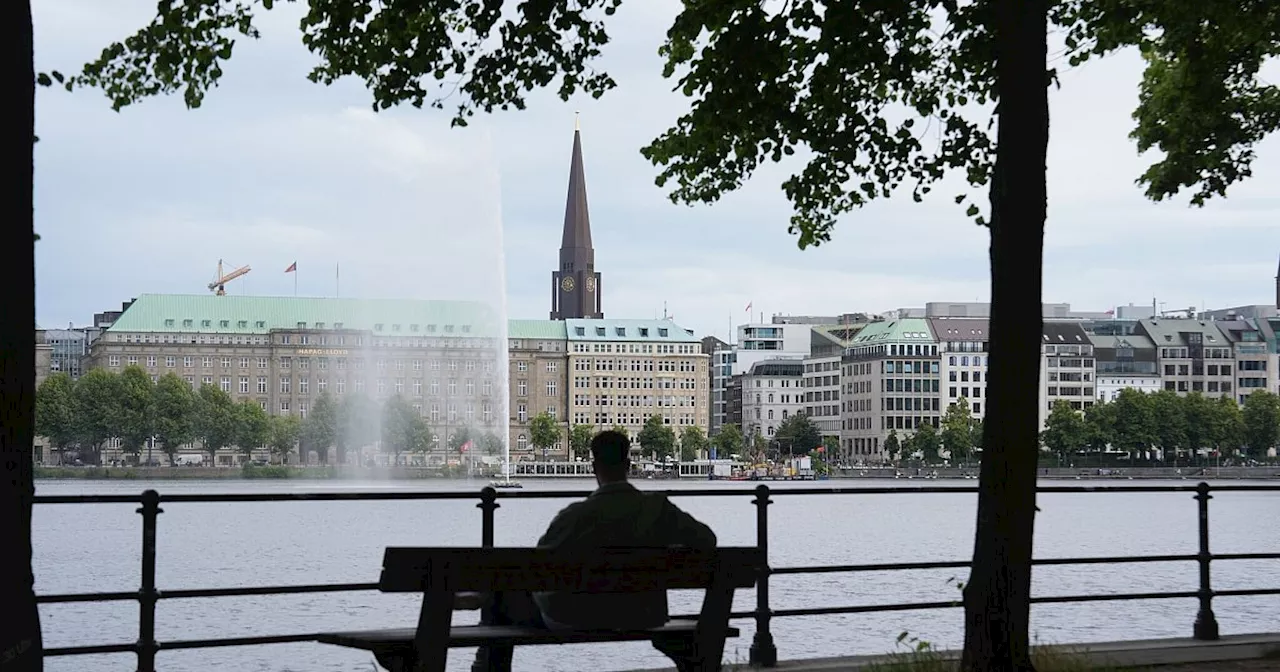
{"x":763,"y":650}
{"x":375,"y":495}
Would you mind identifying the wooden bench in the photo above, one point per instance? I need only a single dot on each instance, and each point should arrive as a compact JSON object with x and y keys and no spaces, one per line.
{"x":443,"y":573}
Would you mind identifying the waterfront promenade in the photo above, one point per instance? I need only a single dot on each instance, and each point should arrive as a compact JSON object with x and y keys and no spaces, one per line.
{"x":237,"y":564}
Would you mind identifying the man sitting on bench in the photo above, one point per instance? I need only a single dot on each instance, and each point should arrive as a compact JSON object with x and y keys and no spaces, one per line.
{"x":616,"y":514}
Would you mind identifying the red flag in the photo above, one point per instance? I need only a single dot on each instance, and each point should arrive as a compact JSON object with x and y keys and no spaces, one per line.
{"x":465,"y":447}
{"x":292,"y":267}
{"x":748,"y":307}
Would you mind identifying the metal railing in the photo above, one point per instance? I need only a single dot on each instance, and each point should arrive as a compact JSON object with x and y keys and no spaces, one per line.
{"x":763,"y":651}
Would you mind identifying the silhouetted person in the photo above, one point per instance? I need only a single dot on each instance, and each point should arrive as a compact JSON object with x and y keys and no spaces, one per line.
{"x":616,"y":514}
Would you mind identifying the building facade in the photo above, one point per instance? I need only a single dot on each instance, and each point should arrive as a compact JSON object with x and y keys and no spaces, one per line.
{"x":624,"y":371}
{"x":1067,"y":367}
{"x":1124,"y":362}
{"x":772,"y":391}
{"x":963,"y":359}
{"x":1252,"y":357}
{"x":822,"y":380}
{"x":441,"y":357}
{"x":892,"y":383}
{"x":1192,"y":356}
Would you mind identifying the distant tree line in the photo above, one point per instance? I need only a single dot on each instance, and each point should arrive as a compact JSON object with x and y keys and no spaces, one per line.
{"x":84,"y":415}
{"x":1164,"y":425}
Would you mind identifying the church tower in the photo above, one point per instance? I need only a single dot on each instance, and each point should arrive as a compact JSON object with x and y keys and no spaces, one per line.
{"x":1278,"y":287}
{"x":575,"y":287}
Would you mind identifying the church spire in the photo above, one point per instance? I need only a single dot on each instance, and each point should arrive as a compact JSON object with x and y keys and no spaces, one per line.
{"x":575,"y":292}
{"x":1278,"y":287}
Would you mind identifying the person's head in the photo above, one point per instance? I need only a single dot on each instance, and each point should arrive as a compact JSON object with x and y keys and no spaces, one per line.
{"x":610,"y":456}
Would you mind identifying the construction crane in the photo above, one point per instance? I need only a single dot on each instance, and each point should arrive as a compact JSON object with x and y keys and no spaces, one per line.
{"x":218,"y":286}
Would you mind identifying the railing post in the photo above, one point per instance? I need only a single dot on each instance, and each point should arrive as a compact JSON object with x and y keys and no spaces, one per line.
{"x":488,"y":505}
{"x":147,"y":594}
{"x":763,"y":651}
{"x":1206,"y":627}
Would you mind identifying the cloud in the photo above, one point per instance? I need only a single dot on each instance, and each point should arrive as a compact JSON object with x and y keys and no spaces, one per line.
{"x":274,"y":169}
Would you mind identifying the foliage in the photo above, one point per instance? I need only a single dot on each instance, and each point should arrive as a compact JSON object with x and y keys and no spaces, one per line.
{"x":957,"y":430}
{"x":693,"y":443}
{"x":134,"y":425}
{"x":320,"y":428}
{"x":927,"y":442}
{"x":459,"y":440}
{"x":356,"y":426}
{"x":1136,"y":423}
{"x":403,"y":429}
{"x":893,"y":445}
{"x":215,"y":422}
{"x":1261,"y":419}
{"x":97,"y":403}
{"x":55,"y":411}
{"x":254,"y":428}
{"x":580,"y":440}
{"x":797,"y":435}
{"x":544,"y":432}
{"x":728,"y":441}
{"x":283,"y":432}
{"x":175,"y":410}
{"x":1064,"y":432}
{"x":657,"y":438}
{"x":490,"y":442}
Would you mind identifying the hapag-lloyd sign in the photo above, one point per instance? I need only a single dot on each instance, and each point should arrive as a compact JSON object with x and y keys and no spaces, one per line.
{"x":319,"y":351}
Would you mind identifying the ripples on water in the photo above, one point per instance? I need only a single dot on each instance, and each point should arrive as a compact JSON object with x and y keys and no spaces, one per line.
{"x":97,"y":548}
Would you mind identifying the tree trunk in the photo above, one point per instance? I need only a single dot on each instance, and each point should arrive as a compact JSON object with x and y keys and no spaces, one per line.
{"x":997,"y":596}
{"x":20,"y":645}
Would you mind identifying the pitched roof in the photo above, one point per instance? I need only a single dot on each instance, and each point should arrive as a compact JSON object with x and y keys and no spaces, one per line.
{"x":209,"y":314}
{"x":907,"y":329}
{"x":960,"y":328}
{"x":1169,"y":331}
{"x":1064,"y":333}
{"x":664,"y":331}
{"x":536,"y":329}
{"x":577,"y":220}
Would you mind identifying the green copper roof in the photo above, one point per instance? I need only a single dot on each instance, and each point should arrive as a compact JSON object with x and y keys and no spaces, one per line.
{"x":662,"y":331}
{"x":536,"y":329}
{"x":909,"y":330}
{"x":210,"y":314}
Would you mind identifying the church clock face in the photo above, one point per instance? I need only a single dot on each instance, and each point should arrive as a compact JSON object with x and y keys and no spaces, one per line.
{"x":591,"y":284}
{"x":566,"y":284}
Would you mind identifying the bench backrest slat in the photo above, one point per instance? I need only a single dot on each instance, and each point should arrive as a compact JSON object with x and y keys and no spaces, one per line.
{"x":615,"y":570}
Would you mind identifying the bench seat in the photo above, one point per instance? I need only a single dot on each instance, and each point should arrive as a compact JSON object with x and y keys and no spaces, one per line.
{"x":475,"y":635}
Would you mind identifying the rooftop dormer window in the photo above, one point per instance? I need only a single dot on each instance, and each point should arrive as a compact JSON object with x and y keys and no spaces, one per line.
{"x":600,"y":331}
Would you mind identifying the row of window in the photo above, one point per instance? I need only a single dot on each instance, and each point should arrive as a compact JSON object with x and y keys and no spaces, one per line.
{"x":684,"y":365}
{"x":634,"y":400}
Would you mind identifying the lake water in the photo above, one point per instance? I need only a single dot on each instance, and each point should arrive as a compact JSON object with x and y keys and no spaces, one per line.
{"x":96,"y":548}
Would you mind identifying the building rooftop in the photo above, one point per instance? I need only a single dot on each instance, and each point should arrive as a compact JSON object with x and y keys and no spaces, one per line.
{"x":1169,"y":331}
{"x":537,"y":329}
{"x":959,"y":328}
{"x":1064,"y":333}
{"x":209,"y":314}
{"x":908,"y":329}
{"x":1115,"y":342}
{"x":778,"y":367}
{"x":659,"y":331}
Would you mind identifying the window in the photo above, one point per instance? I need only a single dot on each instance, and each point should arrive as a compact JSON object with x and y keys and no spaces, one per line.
{"x":522,"y":413}
{"x":225,"y":384}
{"x":302,"y":386}
{"x":522,"y":442}
{"x":226,"y":362}
{"x":551,"y":367}
{"x":286,"y":384}
{"x":244,"y":362}
{"x":133,"y":360}
{"x":522,"y":388}
{"x":522,"y":366}
{"x":188,"y":361}
{"x":113,"y":360}
{"x":170,"y":361}
{"x":284,"y":407}
{"x":244,"y":385}
{"x":551,"y":388}
{"x":417,"y":388}
{"x":262,"y":384}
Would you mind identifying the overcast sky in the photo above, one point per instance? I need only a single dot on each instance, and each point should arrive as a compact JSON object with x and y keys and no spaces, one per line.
{"x":274,"y":169}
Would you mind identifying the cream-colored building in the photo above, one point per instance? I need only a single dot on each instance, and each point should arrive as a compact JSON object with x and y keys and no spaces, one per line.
{"x":440,"y":356}
{"x":624,"y":371}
